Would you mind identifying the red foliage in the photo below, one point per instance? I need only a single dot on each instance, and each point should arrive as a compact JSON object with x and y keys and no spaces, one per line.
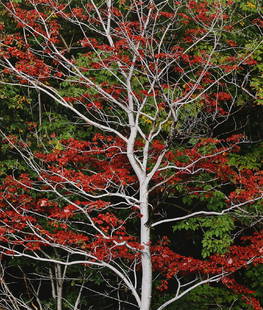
{"x":92,"y":168}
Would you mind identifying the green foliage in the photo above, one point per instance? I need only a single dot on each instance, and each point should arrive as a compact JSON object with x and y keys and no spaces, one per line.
{"x":213,"y":198}
{"x":58,"y":125}
{"x":207,"y":297}
{"x":51,"y":126}
{"x":251,"y":6}
{"x":254,"y":276}
{"x":216,"y":232}
{"x":250,"y":160}
{"x":256,"y":74}
{"x":217,"y":201}
{"x":9,"y":165}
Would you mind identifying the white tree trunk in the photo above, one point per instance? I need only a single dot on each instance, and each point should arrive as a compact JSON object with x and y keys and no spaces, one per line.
{"x":146,"y":288}
{"x":59,"y":286}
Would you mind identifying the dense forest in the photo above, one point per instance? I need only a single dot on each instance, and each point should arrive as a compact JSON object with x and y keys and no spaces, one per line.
{"x":131,"y":155}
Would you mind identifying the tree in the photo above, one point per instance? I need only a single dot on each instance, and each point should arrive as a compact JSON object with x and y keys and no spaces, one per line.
{"x":153,"y":83}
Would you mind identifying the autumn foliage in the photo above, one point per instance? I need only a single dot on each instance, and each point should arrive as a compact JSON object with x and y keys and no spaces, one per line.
{"x":153,"y":90}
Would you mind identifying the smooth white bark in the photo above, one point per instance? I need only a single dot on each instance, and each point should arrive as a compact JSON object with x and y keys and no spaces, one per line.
{"x":132,"y":113}
{"x":146,"y":289}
